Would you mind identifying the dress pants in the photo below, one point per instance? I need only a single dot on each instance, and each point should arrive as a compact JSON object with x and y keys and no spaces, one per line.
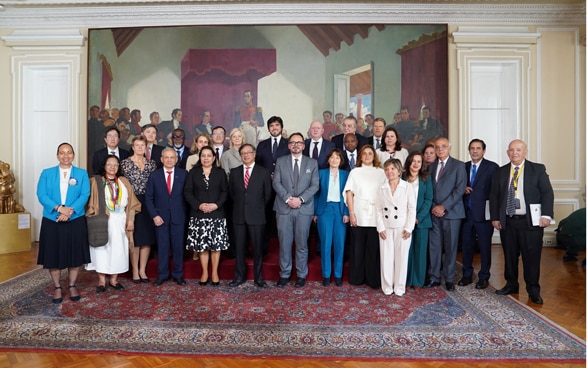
{"x":417,"y":258}
{"x":293,"y":227}
{"x":256,"y":235}
{"x":443,"y":237}
{"x":332,"y":231}
{"x":364,"y":257}
{"x":170,"y":236}
{"x":394,"y":261}
{"x":483,"y":231}
{"x":518,"y":239}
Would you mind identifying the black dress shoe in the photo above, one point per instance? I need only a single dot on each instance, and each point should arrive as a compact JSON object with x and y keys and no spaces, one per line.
{"x":137,"y":281}
{"x":117,"y":286}
{"x":145,"y":280}
{"x":507,"y":290}
{"x":261,"y":284}
{"x":536,"y":298}
{"x":158,"y":282}
{"x":73,"y":298}
{"x":326,"y":281}
{"x":338,"y":281}
{"x":203,"y":283}
{"x":213,"y":283}
{"x":57,"y":300}
{"x":236,"y":283}
{"x":465,"y":281}
{"x":431,"y":284}
{"x":180,"y":281}
{"x":450,"y":286}
{"x":100,"y":289}
{"x":300,"y":282}
{"x":482,"y":284}
{"x":282,"y":282}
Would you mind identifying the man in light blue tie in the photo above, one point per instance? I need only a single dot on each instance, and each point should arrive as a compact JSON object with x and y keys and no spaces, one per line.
{"x":477,"y":223}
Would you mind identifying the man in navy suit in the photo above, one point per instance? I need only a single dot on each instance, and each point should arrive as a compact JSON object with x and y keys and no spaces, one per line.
{"x":349,"y":126}
{"x":275,"y":146}
{"x":449,"y":183}
{"x":249,"y":186}
{"x":296,"y":181}
{"x":479,"y":172}
{"x":316,"y":147}
{"x":520,"y":190}
{"x":165,"y":204}
{"x":111,"y":138}
{"x":178,"y":137}
{"x":378,"y":129}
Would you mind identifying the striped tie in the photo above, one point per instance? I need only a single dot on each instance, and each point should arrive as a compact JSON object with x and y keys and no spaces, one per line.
{"x":246,"y":179}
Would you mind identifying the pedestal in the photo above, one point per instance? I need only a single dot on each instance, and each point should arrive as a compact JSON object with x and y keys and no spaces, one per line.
{"x":15,"y":230}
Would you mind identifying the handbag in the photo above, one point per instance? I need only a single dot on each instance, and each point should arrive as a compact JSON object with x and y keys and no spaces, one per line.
{"x":98,"y":224}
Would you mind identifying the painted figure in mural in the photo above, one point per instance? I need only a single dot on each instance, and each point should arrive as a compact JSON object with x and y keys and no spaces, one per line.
{"x":249,"y":118}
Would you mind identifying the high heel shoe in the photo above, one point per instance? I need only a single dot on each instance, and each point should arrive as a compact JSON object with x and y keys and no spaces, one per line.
{"x":72,"y":297}
{"x":203,"y":283}
{"x":215,"y":283}
{"x":57,"y":300}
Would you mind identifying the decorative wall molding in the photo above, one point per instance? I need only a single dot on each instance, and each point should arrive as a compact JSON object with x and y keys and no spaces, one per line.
{"x":45,"y":39}
{"x":110,"y":14}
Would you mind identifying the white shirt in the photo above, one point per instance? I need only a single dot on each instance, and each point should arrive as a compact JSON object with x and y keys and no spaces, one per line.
{"x":318,"y":146}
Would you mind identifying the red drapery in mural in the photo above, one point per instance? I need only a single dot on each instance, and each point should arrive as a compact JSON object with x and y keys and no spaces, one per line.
{"x":106,"y":83}
{"x":424,"y":77}
{"x":215,"y":79}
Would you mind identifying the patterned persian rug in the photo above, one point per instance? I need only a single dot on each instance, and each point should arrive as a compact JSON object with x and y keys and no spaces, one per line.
{"x":312,"y":322}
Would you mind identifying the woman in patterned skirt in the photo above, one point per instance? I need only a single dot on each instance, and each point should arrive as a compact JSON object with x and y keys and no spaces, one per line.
{"x":206,"y":192}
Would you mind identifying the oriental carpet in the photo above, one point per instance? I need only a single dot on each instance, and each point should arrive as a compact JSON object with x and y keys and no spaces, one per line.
{"x":345,"y":322}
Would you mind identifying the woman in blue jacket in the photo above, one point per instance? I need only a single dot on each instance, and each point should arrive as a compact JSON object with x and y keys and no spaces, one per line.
{"x":331,"y":216}
{"x":63,"y":191}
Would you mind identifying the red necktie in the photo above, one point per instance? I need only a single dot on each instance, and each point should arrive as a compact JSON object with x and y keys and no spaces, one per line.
{"x":148,"y":153}
{"x":169,"y":185}
{"x":246,"y":179}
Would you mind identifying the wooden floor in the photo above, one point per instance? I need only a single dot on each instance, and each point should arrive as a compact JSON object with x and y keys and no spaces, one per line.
{"x":563,"y":287}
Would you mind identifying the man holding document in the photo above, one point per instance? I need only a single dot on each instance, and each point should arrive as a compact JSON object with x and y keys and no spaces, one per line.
{"x":521,"y":206}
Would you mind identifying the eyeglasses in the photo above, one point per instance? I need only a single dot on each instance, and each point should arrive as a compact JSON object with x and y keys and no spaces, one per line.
{"x":443,"y":146}
{"x":110,"y":136}
{"x":296,"y":143}
{"x":246,"y":153}
{"x":219,"y":134}
{"x":178,"y":137}
{"x":112,"y":164}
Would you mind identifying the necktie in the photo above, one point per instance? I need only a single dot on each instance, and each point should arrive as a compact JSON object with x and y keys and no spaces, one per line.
{"x":168,"y":181}
{"x":352,"y":161}
{"x":473,"y":175}
{"x":440,"y":170}
{"x":377,"y":143}
{"x":148,"y":153}
{"x":112,"y":153}
{"x":510,"y":196}
{"x":179,"y":154}
{"x":296,"y":176}
{"x":246,"y":179}
{"x":275,"y":148}
{"x":315,"y":151}
{"x":217,"y":157}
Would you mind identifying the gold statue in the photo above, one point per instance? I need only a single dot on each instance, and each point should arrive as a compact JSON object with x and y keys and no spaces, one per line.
{"x":7,"y":190}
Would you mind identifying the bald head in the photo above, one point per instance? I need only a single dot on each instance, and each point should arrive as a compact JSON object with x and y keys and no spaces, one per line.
{"x":517,"y":152}
{"x":316,"y":130}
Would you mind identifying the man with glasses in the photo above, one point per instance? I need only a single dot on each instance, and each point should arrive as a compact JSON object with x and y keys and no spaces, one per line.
{"x":178,"y":137}
{"x":449,"y":183}
{"x":296,"y":181}
{"x":218,"y":143}
{"x":111,"y":138}
{"x":249,"y":186}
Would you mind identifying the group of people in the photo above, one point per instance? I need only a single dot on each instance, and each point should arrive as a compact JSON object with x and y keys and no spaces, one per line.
{"x":397,"y":216}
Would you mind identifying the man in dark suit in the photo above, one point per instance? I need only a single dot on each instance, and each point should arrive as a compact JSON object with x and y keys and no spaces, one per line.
{"x":249,"y":186}
{"x":111,"y":138}
{"x":178,"y":137}
{"x":296,"y":181}
{"x":218,"y":143}
{"x":164,"y":199}
{"x":316,"y":147}
{"x":476,"y":225}
{"x":521,"y":206}
{"x":349,"y":126}
{"x":275,"y":146}
{"x":378,"y":129}
{"x":153,"y":151}
{"x":449,"y":182}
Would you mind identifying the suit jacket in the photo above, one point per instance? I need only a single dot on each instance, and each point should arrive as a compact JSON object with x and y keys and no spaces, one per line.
{"x":49,"y":193}
{"x":166,"y":127}
{"x":247,"y":203}
{"x":171,"y":207}
{"x":263,"y":155}
{"x":196,"y":192}
{"x":398,"y":210}
{"x":101,"y":155}
{"x":536,"y":190}
{"x":320,"y":198}
{"x":308,"y":184}
{"x":201,"y":129}
{"x":481,"y":189}
{"x":448,"y":191}
{"x":183,"y":159}
{"x":423,"y":204}
{"x":326,"y":147}
{"x":361,"y":141}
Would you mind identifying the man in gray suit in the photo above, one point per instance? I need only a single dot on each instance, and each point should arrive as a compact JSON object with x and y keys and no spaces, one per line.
{"x":296,"y":180}
{"x":449,"y":183}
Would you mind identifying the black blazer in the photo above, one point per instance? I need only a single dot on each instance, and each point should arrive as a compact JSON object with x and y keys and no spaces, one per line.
{"x":101,"y":154}
{"x":326,"y":147}
{"x":182,"y":160}
{"x":361,"y":141}
{"x":263,"y":155}
{"x":247,"y":208}
{"x":536,"y":190}
{"x":196,"y":192}
{"x":481,"y":189}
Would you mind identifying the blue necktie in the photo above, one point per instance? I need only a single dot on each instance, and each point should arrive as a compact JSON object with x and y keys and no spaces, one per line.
{"x":473,"y":176}
{"x":352,"y":161}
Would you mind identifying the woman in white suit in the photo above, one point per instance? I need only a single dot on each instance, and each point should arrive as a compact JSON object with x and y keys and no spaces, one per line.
{"x":395,"y":220}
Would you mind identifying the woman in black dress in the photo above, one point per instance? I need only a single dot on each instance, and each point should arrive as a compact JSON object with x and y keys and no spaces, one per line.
{"x":206,"y":191}
{"x":63,"y":191}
